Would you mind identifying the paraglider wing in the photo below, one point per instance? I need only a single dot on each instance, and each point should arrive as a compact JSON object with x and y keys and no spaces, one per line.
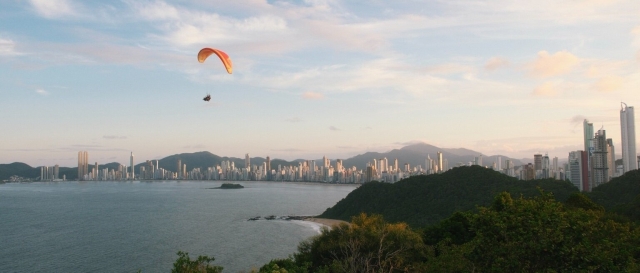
{"x":206,"y":52}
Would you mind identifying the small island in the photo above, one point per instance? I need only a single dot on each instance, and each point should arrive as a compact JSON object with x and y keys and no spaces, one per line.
{"x":230,"y":186}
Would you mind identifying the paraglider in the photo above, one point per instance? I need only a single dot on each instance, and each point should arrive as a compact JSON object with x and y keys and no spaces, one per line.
{"x":206,"y":52}
{"x":226,"y":61}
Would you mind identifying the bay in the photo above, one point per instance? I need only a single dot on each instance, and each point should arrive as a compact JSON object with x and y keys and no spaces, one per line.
{"x":129,"y":226}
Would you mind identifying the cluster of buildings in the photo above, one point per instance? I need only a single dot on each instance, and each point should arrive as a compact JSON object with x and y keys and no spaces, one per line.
{"x":590,"y":167}
{"x":586,"y":169}
{"x":596,"y":164}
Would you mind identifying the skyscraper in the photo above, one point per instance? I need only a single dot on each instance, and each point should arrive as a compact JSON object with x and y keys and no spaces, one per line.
{"x":588,"y":148}
{"x":247,"y":162}
{"x":83,"y":164}
{"x":599,"y":163}
{"x":131,"y":166}
{"x":537,"y":162}
{"x":611,"y":158}
{"x":628,"y":132}
{"x":440,"y":163}
{"x":588,"y":134}
{"x":268,"y":168}
{"x":578,"y":170}
{"x":179,"y":169}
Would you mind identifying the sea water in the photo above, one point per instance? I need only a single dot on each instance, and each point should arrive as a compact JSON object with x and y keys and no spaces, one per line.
{"x":129,"y":226}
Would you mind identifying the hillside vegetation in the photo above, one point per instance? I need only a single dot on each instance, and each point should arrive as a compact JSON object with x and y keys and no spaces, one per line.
{"x":427,"y":199}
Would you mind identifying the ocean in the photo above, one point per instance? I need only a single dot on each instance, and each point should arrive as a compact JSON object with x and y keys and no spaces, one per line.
{"x":117,"y":226}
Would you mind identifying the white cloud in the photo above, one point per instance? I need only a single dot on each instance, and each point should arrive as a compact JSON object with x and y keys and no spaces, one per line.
{"x":312,"y":95}
{"x":333,"y":128}
{"x":54,"y":8}
{"x":609,"y":84}
{"x":371,"y":76}
{"x":42,"y":92}
{"x":157,"y":10}
{"x":7,"y":47}
{"x":636,"y":36}
{"x":293,"y":119}
{"x":113,"y":137}
{"x":546,"y":65}
{"x":547,"y":89}
{"x":495,"y":63}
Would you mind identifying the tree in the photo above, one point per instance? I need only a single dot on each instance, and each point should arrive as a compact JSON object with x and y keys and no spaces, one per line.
{"x":368,"y":244}
{"x":542,"y":235}
{"x":184,"y":264}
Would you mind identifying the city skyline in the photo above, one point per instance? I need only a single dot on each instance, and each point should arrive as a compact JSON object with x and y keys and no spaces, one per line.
{"x":312,"y":78}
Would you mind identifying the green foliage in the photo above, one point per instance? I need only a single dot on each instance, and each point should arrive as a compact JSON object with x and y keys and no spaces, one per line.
{"x":231,"y":186}
{"x":368,"y":244}
{"x":288,"y":265}
{"x":426,"y":200}
{"x":541,"y":235}
{"x":620,"y":195}
{"x":184,"y":264}
{"x":582,"y":201}
{"x":455,"y":230}
{"x":524,"y":234}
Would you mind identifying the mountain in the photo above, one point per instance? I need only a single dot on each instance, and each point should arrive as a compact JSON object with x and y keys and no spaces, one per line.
{"x":204,"y":160}
{"x":427,"y":199}
{"x":414,"y":155}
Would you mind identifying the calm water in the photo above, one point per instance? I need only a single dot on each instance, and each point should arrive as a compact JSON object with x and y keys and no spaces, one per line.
{"x":127,"y":226}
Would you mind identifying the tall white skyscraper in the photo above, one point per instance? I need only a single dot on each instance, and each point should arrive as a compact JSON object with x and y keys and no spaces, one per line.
{"x":83,"y":164}
{"x":628,"y":132}
{"x":132,"y":168}
{"x":247,"y":162}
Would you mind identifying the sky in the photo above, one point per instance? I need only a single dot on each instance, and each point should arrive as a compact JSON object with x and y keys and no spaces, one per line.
{"x":311,"y":78}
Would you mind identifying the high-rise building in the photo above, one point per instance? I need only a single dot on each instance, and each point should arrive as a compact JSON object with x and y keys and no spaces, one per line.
{"x":83,"y":164}
{"x":545,"y":166}
{"x":611,"y":159}
{"x":578,"y":170}
{"x":588,"y":147}
{"x":588,"y":134}
{"x":628,"y":132}
{"x":537,"y":162}
{"x":440,"y":163}
{"x":133,"y":172}
{"x":247,"y":162}
{"x":56,"y":171}
{"x":268,"y":168}
{"x":179,"y":169}
{"x":478,"y":160}
{"x":599,"y":163}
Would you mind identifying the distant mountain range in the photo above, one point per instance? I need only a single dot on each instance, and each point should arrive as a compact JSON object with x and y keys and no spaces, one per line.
{"x":414,"y":155}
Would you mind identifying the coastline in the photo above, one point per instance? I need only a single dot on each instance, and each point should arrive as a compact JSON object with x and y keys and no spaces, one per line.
{"x":325,"y":222}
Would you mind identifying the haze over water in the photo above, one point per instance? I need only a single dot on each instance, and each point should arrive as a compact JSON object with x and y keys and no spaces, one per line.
{"x":126,"y":226}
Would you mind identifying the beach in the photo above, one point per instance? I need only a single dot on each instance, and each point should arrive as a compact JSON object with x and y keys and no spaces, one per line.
{"x":325,"y":222}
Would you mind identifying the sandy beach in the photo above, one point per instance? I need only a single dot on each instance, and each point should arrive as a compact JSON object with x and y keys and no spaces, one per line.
{"x":326,"y":222}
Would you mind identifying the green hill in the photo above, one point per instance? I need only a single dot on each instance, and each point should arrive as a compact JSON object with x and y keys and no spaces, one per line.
{"x":620,"y":195}
{"x":427,"y":199}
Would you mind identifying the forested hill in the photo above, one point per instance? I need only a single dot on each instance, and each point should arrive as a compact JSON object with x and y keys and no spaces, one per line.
{"x":620,"y":195}
{"x":427,"y":199}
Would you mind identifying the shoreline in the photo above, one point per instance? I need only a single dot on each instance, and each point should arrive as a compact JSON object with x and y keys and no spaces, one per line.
{"x":325,"y":222}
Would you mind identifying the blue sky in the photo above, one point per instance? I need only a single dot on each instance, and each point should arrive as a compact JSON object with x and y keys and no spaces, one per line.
{"x":311,"y":78}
